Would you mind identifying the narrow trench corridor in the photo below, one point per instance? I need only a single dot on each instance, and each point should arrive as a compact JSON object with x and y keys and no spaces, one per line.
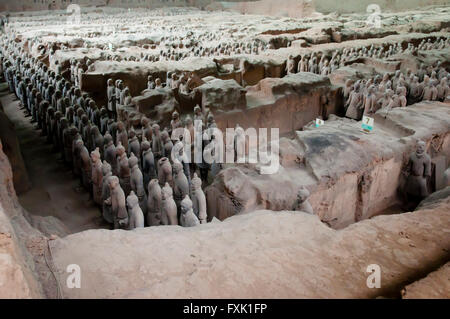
{"x":55,"y":190}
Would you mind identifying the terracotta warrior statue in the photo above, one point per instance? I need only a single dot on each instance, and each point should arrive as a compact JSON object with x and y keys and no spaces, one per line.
{"x":111,"y":94}
{"x":137,"y":182}
{"x":134,"y":146}
{"x":148,"y":162}
{"x":418,"y":170}
{"x":165,"y":172}
{"x":354,"y":104}
{"x":110,"y":152}
{"x":188,"y":218}
{"x":97,"y":177}
{"x":122,"y":135}
{"x":117,"y":202}
{"x":199,"y":199}
{"x":123,"y":168}
{"x":134,"y":211}
{"x":106,"y":208}
{"x":180,"y":184}
{"x":169,"y":207}
{"x":154,"y":203}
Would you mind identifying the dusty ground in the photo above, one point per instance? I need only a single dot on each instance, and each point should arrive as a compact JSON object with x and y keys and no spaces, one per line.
{"x":260,"y":255}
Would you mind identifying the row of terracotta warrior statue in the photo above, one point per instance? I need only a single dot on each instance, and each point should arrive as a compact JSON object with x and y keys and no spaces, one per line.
{"x":136,"y":183}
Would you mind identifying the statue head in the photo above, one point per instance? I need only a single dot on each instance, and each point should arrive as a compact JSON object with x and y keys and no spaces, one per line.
{"x":420,"y":147}
{"x":113,"y":182}
{"x":120,"y":149}
{"x":196,"y":182}
{"x":155,"y":128}
{"x":95,"y":155}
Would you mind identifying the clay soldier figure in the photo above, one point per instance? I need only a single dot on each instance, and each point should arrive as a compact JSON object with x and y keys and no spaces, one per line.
{"x":86,"y":170}
{"x":137,"y":182}
{"x":181,"y":185}
{"x":76,"y":151}
{"x":370,"y":105}
{"x":150,"y":83}
{"x":62,"y":125}
{"x":418,"y":170}
{"x":430,"y":92}
{"x":117,"y":202}
{"x":167,"y":144}
{"x":122,"y":135}
{"x":154,"y":203}
{"x":416,"y":91}
{"x":302,"y":203}
{"x":290,"y":65}
{"x":103,"y":120}
{"x":106,"y":208}
{"x":119,"y":88}
{"x":198,"y":114}
{"x":169,"y":207}
{"x":175,"y":122}
{"x":188,"y":218}
{"x":123,"y":168}
{"x":69,"y":135}
{"x":199,"y":199}
{"x":112,"y":128}
{"x":111,"y":94}
{"x":97,"y":177}
{"x":95,"y":113}
{"x":348,"y":89}
{"x":148,"y":162}
{"x":157,"y":146}
{"x":133,"y":144}
{"x":146,"y":128}
{"x":110,"y":152}
{"x":303,"y":65}
{"x":97,"y":140}
{"x":443,"y":90}
{"x":164,"y":171}
{"x":384,"y":101}
{"x":135,"y":212}
{"x":354,"y":104}
{"x":325,"y":70}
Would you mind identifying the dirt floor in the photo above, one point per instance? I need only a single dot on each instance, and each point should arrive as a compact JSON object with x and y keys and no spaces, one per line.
{"x":55,"y":190}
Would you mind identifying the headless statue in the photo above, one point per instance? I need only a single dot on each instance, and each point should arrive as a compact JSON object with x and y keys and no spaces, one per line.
{"x":154,"y":203}
{"x":165,"y":172}
{"x":107,"y":211}
{"x":169,"y":207}
{"x":181,"y":185}
{"x":135,"y":212}
{"x":199,"y":199}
